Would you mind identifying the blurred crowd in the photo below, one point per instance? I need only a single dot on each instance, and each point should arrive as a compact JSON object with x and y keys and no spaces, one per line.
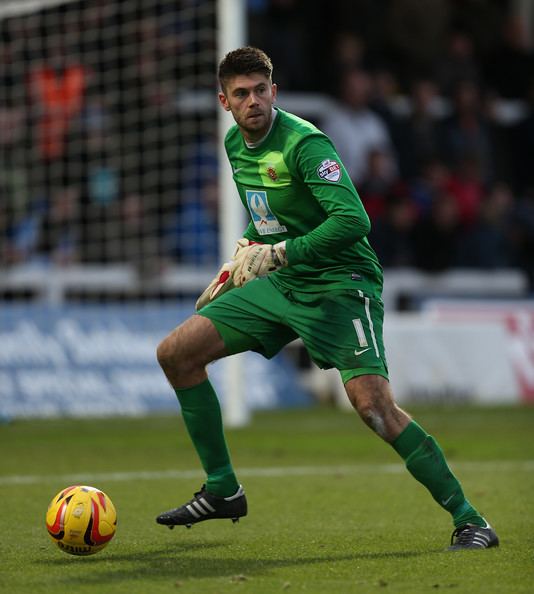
{"x":433,"y":115}
{"x":431,"y":107}
{"x":98,"y":161}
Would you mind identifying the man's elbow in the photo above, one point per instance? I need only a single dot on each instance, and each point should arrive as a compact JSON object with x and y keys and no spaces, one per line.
{"x":359,"y":227}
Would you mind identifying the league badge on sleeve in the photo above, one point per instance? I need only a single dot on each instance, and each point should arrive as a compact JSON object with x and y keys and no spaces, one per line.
{"x":329,"y":170}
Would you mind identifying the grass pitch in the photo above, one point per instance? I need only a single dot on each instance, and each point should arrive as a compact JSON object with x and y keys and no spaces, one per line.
{"x":331,"y":508}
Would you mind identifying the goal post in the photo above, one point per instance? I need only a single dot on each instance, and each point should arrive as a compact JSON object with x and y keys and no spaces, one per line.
{"x":231,"y":34}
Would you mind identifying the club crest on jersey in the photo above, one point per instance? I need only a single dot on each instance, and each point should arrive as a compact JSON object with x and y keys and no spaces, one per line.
{"x":329,"y":170}
{"x":271,"y":172}
{"x":262,"y":216}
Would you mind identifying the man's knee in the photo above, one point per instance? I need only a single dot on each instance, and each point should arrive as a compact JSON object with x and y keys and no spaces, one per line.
{"x":176,"y":352}
{"x":369,"y":392}
{"x":371,"y":396}
{"x":371,"y":409}
{"x":190,"y":347}
{"x":166,"y":352}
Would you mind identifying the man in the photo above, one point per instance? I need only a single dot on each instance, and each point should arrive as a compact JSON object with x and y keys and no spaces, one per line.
{"x":357,"y":130}
{"x":303,"y":268}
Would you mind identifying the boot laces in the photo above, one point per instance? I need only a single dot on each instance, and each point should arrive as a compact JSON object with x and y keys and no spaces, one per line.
{"x":464,"y":535}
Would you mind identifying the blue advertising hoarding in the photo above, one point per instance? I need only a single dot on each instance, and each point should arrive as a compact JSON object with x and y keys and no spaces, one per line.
{"x":99,"y":360}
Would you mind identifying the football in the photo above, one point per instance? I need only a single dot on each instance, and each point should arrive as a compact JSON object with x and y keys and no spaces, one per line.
{"x":81,"y":520}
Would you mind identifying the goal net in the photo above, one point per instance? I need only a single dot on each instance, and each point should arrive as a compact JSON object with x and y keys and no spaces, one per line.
{"x":109,"y":199}
{"x":108,"y":133}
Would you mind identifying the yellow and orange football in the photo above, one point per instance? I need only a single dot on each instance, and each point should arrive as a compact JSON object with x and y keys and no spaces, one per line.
{"x":81,"y":520}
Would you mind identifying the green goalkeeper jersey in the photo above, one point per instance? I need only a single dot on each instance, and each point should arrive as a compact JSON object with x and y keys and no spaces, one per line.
{"x":295,"y":188}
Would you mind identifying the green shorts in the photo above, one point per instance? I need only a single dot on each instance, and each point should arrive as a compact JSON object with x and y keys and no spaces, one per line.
{"x":339,"y":328}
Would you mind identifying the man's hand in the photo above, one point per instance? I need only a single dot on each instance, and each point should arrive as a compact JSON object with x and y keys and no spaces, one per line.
{"x":257,"y":259}
{"x":219,"y":285}
{"x":223,"y":281}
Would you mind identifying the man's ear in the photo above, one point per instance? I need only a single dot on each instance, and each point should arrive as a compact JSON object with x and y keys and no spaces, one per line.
{"x":274,"y":91}
{"x":224,"y":102}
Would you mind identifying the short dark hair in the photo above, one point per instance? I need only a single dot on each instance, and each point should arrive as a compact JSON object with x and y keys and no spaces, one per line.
{"x":244,"y":61}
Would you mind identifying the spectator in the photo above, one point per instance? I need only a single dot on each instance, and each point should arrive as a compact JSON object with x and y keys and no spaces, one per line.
{"x":192,"y":234}
{"x":418,"y":135}
{"x":348,"y":53}
{"x":458,"y":64}
{"x":15,"y":191}
{"x":57,"y":87}
{"x":392,"y":234}
{"x":61,"y":226}
{"x":416,"y":33}
{"x":377,"y":184}
{"x":522,"y":229}
{"x":468,"y":132}
{"x":510,"y":65}
{"x":522,"y":146}
{"x":138,"y":235}
{"x":385,"y":97}
{"x":23,"y":233}
{"x":466,"y":187}
{"x":426,"y":187}
{"x":355,"y":129}
{"x":486,"y":244}
{"x":436,"y":236}
{"x":280,"y":28}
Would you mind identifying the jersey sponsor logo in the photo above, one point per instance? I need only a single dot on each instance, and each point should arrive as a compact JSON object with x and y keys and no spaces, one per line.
{"x":329,"y":170}
{"x":263,"y":217}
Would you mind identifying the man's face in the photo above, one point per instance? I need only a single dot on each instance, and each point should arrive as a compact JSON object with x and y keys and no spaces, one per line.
{"x":250,"y":99}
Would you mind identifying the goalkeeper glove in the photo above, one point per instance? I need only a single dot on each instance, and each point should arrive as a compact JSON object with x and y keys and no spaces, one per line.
{"x":219,"y":285}
{"x":257,"y":259}
{"x":223,"y":281}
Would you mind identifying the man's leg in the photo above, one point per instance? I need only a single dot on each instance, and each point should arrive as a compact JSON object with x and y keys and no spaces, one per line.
{"x":240,"y":320}
{"x":371,"y":396}
{"x":183,"y":356}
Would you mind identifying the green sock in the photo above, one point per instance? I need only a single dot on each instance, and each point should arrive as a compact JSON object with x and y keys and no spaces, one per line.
{"x":426,"y":462}
{"x":202,"y":417}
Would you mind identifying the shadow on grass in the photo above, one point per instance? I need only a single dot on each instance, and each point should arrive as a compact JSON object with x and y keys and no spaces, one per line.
{"x":180,"y":561}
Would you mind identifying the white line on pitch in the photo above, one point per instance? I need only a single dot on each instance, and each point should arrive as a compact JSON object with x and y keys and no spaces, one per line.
{"x":280,"y":471}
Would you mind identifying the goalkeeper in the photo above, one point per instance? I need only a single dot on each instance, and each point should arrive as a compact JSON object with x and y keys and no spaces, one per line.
{"x":304,"y":268}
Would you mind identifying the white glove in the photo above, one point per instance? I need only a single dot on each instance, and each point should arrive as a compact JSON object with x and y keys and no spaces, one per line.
{"x":223,"y":281}
{"x":257,"y":259}
{"x":219,"y":285}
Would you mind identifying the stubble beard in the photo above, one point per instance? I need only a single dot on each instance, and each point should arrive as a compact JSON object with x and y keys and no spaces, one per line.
{"x":256,"y":128}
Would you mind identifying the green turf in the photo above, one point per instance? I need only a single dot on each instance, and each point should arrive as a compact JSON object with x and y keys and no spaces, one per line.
{"x":356,"y":524}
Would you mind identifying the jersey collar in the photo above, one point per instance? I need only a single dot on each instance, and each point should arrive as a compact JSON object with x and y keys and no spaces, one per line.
{"x":253,"y":145}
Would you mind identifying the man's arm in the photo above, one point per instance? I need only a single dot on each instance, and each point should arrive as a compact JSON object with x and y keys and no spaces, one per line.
{"x":347,"y":221}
